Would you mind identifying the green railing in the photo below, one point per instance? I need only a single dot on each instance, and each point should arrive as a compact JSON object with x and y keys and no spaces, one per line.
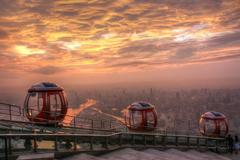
{"x":32,"y":143}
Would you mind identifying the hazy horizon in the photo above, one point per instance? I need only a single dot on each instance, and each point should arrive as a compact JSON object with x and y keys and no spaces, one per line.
{"x":111,"y":44}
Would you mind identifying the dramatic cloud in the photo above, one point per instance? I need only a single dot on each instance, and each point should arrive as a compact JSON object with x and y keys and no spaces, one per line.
{"x":3,"y":34}
{"x":183,"y":54}
{"x":48,"y":70}
{"x":49,"y":37}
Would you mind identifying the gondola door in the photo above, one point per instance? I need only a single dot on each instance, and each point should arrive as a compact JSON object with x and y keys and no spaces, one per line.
{"x":54,"y":105}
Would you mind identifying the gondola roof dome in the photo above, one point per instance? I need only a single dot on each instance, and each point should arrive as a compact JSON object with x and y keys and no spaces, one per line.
{"x":45,"y":86}
{"x":213,"y":115}
{"x":141,"y":106}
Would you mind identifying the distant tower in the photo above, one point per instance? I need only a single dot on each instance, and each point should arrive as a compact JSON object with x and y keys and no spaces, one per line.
{"x":177,"y":95}
{"x":151,"y":92}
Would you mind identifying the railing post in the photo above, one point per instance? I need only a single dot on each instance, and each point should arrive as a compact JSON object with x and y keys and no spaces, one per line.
{"x":206,"y":143}
{"x":32,"y":118}
{"x":226,"y":144}
{"x":176,"y":138}
{"x":9,"y":146}
{"x":154,"y":140}
{"x":75,"y":144}
{"x":189,"y":124}
{"x":91,"y":143}
{"x":10,"y":112}
{"x":106,"y":142}
{"x":34,"y":144}
{"x":23,"y":113}
{"x":55,"y":121}
{"x":198,"y":141}
{"x":20,"y":111}
{"x":74,"y":121}
{"x":101,"y":123}
{"x":9,"y":143}
{"x":56,"y":144}
{"x":133,"y":140}
{"x":110,"y":124}
{"x":188,"y":141}
{"x":6,"y":148}
{"x":92,"y":126}
{"x":216,"y":145}
{"x":120,"y":139}
{"x":144,"y":138}
{"x":164,"y":140}
{"x":92,"y":123}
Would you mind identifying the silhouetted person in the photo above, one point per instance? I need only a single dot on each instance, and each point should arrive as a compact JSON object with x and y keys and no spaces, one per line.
{"x":236,"y":144}
{"x":230,"y":143}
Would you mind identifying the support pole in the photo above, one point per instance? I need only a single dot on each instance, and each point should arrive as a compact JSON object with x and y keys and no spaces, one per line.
{"x":188,"y":141}
{"x":56,"y":144}
{"x":34,"y":144}
{"x":154,"y":140}
{"x":106,"y":142}
{"x":6,"y":148}
{"x":75,"y":144}
{"x":164,"y":140}
{"x":92,"y":125}
{"x":216,"y":146}
{"x":206,"y":143}
{"x":91,"y":143}
{"x":74,"y":122}
{"x":176,"y":140}
{"x":145,"y":141}
{"x":110,"y":124}
{"x":101,"y":124}
{"x":120,"y":139}
{"x":10,"y":112}
{"x":198,"y":145}
{"x":9,"y":146}
{"x":133,"y":140}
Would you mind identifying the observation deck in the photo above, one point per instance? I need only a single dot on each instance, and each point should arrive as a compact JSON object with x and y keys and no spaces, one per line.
{"x":18,"y":136}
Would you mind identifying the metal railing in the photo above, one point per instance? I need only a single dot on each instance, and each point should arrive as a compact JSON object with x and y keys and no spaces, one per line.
{"x":98,"y":142}
{"x":14,"y":113}
{"x":73,"y":141}
{"x":10,"y":110}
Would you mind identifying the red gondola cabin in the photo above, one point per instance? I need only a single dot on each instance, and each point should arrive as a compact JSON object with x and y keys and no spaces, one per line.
{"x":141,"y":116}
{"x":46,"y":103}
{"x":213,"y":124}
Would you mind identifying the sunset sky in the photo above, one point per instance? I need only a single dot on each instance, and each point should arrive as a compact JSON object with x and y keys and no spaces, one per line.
{"x":77,"y":42}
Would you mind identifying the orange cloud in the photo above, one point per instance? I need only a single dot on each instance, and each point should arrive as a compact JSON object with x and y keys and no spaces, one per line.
{"x":107,"y":36}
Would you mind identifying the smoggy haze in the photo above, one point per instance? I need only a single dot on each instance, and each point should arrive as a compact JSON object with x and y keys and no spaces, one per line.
{"x":167,"y":43}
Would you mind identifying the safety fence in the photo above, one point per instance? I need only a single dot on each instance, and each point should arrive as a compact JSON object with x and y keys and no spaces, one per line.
{"x":15,"y":115}
{"x":17,"y":144}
